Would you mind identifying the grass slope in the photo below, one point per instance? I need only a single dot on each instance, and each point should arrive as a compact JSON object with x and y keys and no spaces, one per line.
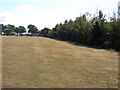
{"x":38,"y":62}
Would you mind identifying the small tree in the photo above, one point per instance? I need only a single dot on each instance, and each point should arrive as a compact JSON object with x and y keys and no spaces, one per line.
{"x":44,"y":32}
{"x":32,"y":29}
{"x":8,"y":29}
{"x":21,"y":30}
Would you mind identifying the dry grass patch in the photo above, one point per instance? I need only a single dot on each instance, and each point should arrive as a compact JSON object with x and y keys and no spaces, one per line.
{"x":37,"y":62}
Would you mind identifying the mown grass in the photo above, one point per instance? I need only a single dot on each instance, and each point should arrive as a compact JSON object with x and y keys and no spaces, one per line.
{"x":38,"y":62}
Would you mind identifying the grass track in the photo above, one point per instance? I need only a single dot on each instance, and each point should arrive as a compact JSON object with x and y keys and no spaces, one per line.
{"x":38,"y":62}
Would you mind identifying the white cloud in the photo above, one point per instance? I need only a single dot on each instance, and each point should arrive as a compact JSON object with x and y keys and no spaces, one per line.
{"x":26,"y":14}
{"x":51,"y":14}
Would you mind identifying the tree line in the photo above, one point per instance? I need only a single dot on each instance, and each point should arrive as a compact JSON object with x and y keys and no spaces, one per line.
{"x":9,"y":30}
{"x":94,"y":32}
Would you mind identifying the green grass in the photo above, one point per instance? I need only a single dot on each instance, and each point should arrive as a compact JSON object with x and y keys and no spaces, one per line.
{"x":38,"y":62}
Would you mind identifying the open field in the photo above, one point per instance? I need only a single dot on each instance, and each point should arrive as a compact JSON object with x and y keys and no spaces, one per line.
{"x":38,"y":62}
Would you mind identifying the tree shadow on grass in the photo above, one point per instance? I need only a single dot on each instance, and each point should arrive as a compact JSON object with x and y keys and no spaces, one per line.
{"x":78,"y":44}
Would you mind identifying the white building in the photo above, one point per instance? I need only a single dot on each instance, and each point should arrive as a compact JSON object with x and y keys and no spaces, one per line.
{"x":119,"y":10}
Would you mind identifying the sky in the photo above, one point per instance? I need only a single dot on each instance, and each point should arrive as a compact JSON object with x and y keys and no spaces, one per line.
{"x":48,"y":13}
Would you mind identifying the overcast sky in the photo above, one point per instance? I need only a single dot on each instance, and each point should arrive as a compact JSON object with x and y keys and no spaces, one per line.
{"x":47,"y":13}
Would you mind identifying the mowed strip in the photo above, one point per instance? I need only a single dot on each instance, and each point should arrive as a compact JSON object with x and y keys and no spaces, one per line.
{"x":38,"y":62}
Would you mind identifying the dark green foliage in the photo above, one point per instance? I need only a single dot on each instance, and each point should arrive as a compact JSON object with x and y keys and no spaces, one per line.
{"x":16,"y":30}
{"x":44,"y":32}
{"x":97,"y":32}
{"x":21,"y":30}
{"x":8,"y":29}
{"x":32,"y":29}
{"x":115,"y":34}
{"x":11,"y":30}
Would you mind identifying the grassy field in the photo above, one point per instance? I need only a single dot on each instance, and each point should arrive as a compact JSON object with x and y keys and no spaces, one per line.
{"x":38,"y":62}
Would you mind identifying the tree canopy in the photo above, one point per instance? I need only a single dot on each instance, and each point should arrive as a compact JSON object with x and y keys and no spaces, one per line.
{"x":32,"y":29}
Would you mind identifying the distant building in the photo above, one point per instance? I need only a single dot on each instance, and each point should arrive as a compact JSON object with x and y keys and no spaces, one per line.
{"x":119,"y":10}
